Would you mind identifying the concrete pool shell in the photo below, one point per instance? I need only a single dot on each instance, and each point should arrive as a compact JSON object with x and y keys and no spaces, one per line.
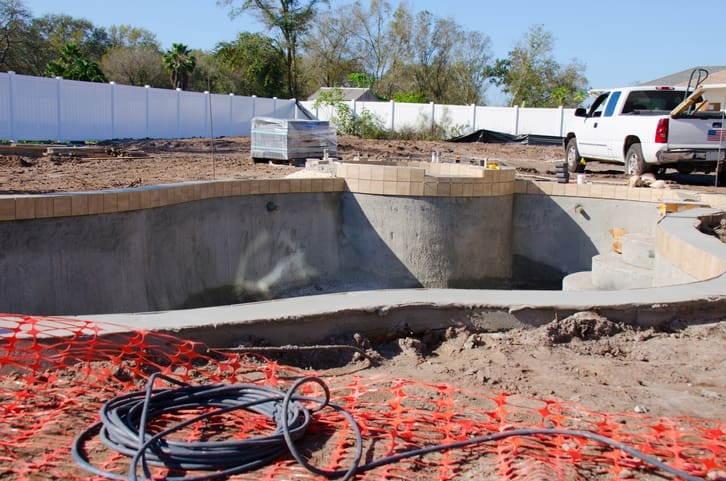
{"x":378,"y":248}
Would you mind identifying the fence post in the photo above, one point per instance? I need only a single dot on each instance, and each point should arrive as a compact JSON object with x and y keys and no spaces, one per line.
{"x":274,"y":107}
{"x":207,"y":109}
{"x":231,"y":110}
{"x":178,"y":113}
{"x":562,"y":120}
{"x":473,"y":117}
{"x":433,"y":117}
{"x":59,"y":124}
{"x":393,"y":115}
{"x":254,"y":105}
{"x":516,"y":120}
{"x":113,"y":110}
{"x":11,"y":110}
{"x":354,"y":106}
{"x":146,"y":90}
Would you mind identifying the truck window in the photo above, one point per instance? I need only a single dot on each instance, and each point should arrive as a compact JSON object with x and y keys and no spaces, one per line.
{"x":598,"y":105}
{"x":651,"y":100}
{"x":610,"y":109}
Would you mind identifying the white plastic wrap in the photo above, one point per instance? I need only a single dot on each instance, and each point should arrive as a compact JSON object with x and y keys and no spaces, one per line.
{"x":290,"y":139}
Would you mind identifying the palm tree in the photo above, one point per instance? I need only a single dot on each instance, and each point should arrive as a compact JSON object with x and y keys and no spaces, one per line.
{"x":73,"y":66}
{"x":180,"y":62}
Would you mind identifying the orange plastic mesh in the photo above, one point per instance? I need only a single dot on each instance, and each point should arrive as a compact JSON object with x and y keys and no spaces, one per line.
{"x":56,"y":373}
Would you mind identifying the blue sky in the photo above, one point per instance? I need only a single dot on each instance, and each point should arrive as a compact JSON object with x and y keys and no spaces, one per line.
{"x":621,"y":42}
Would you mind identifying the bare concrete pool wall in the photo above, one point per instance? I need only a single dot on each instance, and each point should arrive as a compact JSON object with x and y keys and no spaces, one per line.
{"x":180,"y":247}
{"x":558,"y":235}
{"x":174,"y":247}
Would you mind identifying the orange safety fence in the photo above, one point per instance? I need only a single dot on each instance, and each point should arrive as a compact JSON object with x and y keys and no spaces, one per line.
{"x":57,"y":373}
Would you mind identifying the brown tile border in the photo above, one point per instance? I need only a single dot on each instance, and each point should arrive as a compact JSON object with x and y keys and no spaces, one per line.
{"x":426,"y":179}
{"x":410,"y":179}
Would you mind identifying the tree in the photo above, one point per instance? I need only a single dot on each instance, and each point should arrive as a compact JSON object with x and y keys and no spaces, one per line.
{"x":131,"y":37}
{"x":397,"y":73}
{"x":73,"y":66}
{"x":531,"y":76}
{"x":61,"y":30}
{"x":180,"y":62}
{"x":330,"y":53}
{"x":373,"y":34}
{"x":20,"y":44}
{"x":438,"y":61}
{"x":292,"y":18}
{"x":134,"y":66}
{"x":257,"y":65}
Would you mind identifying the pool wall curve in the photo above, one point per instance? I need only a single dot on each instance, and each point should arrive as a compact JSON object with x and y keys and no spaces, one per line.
{"x":182,"y":247}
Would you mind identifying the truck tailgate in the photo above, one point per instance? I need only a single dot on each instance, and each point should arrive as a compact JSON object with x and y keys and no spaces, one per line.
{"x":697,"y":133}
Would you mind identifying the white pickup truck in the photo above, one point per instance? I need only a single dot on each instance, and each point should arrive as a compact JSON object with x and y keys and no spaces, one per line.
{"x":649,"y":129}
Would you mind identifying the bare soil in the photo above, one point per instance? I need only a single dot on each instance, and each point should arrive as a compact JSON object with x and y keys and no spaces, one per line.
{"x":35,"y":169}
{"x":675,"y":376}
{"x":585,"y":359}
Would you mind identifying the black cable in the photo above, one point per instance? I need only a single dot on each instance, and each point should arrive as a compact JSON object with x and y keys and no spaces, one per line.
{"x":124,"y":420}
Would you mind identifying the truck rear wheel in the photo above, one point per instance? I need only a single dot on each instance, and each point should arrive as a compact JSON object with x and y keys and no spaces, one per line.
{"x":572,"y":156}
{"x":634,"y":163}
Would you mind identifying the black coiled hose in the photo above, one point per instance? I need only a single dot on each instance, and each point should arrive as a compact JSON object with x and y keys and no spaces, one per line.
{"x":124,"y":419}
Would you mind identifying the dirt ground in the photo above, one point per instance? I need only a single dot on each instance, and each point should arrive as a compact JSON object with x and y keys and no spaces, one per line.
{"x":585,"y":359}
{"x":31,"y":169}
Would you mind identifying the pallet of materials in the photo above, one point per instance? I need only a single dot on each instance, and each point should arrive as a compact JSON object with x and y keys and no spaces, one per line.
{"x":291,"y":140}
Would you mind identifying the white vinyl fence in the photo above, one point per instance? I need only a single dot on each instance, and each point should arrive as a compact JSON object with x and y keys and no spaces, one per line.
{"x":460,"y":119}
{"x":41,"y":108}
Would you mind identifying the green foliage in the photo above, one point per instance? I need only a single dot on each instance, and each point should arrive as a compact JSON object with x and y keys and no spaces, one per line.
{"x":361,"y":80}
{"x":365,"y":125}
{"x":73,"y":66}
{"x":255,"y":63}
{"x":20,"y":44}
{"x":59,"y":30}
{"x":531,"y":76}
{"x":180,"y":62}
{"x":132,"y":37}
{"x":291,"y":18}
{"x":411,"y":97}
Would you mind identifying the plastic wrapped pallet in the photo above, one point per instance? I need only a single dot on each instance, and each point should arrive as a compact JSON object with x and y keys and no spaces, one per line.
{"x":291,"y":139}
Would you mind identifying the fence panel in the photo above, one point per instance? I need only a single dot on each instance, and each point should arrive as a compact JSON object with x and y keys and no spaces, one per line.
{"x":243,"y":109}
{"x":163,"y":114}
{"x":498,"y":119}
{"x":265,"y":107}
{"x":193,"y":115}
{"x":34,"y":107}
{"x":220,"y":113}
{"x":455,"y":119}
{"x":129,"y":112}
{"x":85,"y":110}
{"x":544,"y":121}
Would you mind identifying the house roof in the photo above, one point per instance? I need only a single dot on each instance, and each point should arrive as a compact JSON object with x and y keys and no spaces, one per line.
{"x":716,"y":74}
{"x":349,"y":93}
